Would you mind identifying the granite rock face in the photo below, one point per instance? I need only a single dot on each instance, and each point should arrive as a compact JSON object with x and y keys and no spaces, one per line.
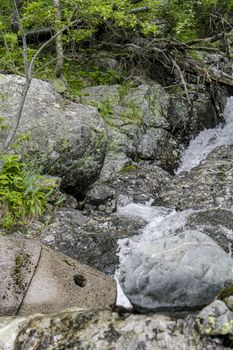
{"x":177,"y":272}
{"x":102,"y":330}
{"x":67,"y":139}
{"x":139,"y":183}
{"x":138,"y":125}
{"x":216,"y":223}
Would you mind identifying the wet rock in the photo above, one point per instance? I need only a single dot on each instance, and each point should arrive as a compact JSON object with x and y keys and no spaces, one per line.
{"x":178,"y":272}
{"x":95,"y":243}
{"x":103,"y":330}
{"x":209,"y":185}
{"x":37,"y":279}
{"x":188,"y":123}
{"x":101,"y":196}
{"x":92,"y":240}
{"x":215,"y":320}
{"x":216,"y":223}
{"x":160,"y":145}
{"x":138,"y":183}
{"x":67,"y":139}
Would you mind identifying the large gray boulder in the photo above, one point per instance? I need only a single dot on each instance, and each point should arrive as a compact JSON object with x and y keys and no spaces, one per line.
{"x":67,"y":139}
{"x":178,"y":272}
{"x":103,"y":330}
{"x":37,"y":279}
{"x":139,"y":126}
{"x":207,"y":186}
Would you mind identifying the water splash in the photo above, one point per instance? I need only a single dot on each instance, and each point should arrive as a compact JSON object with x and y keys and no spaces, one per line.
{"x":143,"y":211}
{"x":208,"y":140}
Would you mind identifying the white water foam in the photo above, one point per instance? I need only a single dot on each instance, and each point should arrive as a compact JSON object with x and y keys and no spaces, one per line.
{"x":208,"y":140}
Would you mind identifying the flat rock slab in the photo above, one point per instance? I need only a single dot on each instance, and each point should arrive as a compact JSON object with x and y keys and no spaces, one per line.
{"x":18,"y":259}
{"x":60,"y":282}
{"x":36,"y":279}
{"x":177,"y":272}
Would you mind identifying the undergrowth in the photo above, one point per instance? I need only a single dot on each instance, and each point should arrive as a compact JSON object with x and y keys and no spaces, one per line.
{"x":24,"y":194}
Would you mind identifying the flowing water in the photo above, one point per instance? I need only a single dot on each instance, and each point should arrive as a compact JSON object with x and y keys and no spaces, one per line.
{"x":163,"y":222}
{"x":208,"y":140}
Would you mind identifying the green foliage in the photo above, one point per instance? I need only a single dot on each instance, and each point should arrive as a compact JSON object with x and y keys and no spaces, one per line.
{"x":190,"y":19}
{"x":183,"y":20}
{"x":124,"y":90}
{"x":128,"y":168}
{"x":77,"y":75}
{"x":105,"y":108}
{"x":132,"y":114}
{"x":41,"y":14}
{"x":23,"y":192}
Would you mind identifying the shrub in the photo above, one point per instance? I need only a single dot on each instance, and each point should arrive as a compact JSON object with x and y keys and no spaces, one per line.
{"x":24,"y":194}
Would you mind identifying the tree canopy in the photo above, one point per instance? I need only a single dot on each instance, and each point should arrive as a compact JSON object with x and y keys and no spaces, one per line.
{"x":100,"y":23}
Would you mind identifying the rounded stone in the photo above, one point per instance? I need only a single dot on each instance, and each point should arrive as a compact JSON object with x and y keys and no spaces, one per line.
{"x":180,"y":272}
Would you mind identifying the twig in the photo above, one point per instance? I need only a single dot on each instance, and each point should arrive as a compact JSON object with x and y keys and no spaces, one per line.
{"x":182,"y":80}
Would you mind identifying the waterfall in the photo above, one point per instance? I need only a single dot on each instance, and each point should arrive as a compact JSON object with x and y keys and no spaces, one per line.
{"x":163,"y":222}
{"x":208,"y":140}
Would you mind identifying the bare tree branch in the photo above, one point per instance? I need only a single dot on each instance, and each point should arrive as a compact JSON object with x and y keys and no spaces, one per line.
{"x":182,"y":80}
{"x":139,"y":9}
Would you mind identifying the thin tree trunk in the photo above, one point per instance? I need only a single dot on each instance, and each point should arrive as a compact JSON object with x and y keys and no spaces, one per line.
{"x":28,"y":68}
{"x":10,"y":138}
{"x":59,"y":45}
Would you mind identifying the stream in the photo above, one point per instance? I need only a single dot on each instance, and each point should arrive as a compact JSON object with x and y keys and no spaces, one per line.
{"x":163,"y":222}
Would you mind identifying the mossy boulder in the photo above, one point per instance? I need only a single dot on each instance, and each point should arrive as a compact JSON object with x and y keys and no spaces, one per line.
{"x":138,"y":121}
{"x":215,"y":320}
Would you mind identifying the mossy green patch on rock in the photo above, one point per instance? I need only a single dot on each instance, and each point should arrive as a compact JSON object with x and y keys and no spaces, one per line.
{"x":22,"y":262}
{"x":128,"y":168}
{"x":227,"y":328}
{"x":225,"y":292}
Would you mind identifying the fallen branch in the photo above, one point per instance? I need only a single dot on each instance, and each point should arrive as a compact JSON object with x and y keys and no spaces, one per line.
{"x":210,"y":39}
{"x":211,"y":73}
